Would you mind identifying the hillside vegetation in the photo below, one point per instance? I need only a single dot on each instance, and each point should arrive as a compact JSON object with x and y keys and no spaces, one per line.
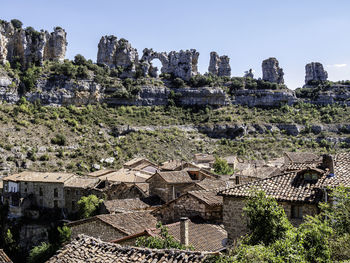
{"x":74,"y":139}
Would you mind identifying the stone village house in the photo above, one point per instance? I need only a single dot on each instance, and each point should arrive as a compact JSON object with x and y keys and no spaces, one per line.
{"x":298,"y":191}
{"x":204,"y":204}
{"x":170,"y":185}
{"x":109,"y":227}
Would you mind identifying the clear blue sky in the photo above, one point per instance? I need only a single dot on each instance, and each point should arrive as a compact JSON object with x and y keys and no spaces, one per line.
{"x":294,"y":31}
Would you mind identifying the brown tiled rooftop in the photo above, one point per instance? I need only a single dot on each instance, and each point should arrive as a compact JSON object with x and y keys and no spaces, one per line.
{"x":302,"y":157}
{"x":88,"y":249}
{"x":128,"y":223}
{"x":209,"y":197}
{"x":81,"y":182}
{"x":202,"y":236}
{"x":175,"y":177}
{"x":101,"y":172}
{"x":4,"y":258}
{"x":208,"y":183}
{"x":29,"y":176}
{"x":120,"y":205}
{"x":284,"y":187}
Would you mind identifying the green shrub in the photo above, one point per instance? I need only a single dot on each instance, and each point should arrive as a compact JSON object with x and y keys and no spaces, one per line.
{"x":59,"y":139}
{"x":88,"y":206}
{"x":16,"y":23}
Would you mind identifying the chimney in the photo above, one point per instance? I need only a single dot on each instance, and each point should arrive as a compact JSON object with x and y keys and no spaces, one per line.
{"x":328,"y":162}
{"x":184,"y":222}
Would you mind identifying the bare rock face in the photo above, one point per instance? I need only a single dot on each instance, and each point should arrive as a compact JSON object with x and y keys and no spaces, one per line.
{"x":182,"y":64}
{"x":315,"y":71}
{"x":272,"y":72}
{"x":117,"y":53}
{"x":219,"y":66}
{"x":29,"y":46}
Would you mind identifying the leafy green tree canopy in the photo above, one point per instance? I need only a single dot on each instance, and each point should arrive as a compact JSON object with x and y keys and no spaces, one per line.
{"x":221,"y":167}
{"x":88,"y":205}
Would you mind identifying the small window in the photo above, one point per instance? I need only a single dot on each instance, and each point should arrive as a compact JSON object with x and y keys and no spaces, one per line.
{"x":237,"y":179}
{"x":40,"y":191}
{"x":55,"y":192}
{"x":55,"y":203}
{"x":68,"y":192}
{"x":297,"y":211}
{"x":25,"y":190}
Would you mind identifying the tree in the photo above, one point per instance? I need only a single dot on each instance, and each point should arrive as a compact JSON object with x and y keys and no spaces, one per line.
{"x":88,"y":206}
{"x":267,"y":220}
{"x":65,"y":234}
{"x":337,"y":212}
{"x":16,"y":23}
{"x":41,"y":253}
{"x":80,"y":60}
{"x":313,"y":235}
{"x":221,"y":167}
{"x":164,"y":240}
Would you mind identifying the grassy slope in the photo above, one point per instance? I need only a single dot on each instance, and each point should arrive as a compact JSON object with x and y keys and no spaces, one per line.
{"x":26,"y":132}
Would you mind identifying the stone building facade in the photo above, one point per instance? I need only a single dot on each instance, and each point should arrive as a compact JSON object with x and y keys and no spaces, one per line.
{"x":194,"y":204}
{"x":236,"y":223}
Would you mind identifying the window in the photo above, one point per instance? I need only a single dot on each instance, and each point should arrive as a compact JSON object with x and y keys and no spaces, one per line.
{"x":25,"y":190}
{"x":67,"y":192}
{"x":297,"y":211}
{"x":237,"y":179}
{"x":77,"y":192}
{"x":55,"y":203}
{"x":40,"y":191}
{"x":55,"y":192}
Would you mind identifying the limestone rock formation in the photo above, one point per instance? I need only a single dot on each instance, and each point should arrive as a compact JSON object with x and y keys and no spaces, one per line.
{"x":117,"y":53}
{"x":29,"y":46}
{"x":272,"y":72}
{"x":219,"y":66}
{"x":315,"y":71}
{"x":182,"y":64}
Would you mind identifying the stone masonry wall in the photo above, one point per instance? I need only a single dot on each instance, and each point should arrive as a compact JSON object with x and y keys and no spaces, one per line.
{"x":236,"y":224}
{"x":187,"y":206}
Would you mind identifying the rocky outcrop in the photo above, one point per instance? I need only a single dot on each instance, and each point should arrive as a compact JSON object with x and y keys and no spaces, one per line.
{"x":29,"y":46}
{"x":315,"y":71}
{"x":263,"y":98}
{"x":150,"y":95}
{"x":182,"y":64}
{"x":272,"y":72}
{"x":117,"y":53}
{"x":219,"y":66}
{"x":66,"y":92}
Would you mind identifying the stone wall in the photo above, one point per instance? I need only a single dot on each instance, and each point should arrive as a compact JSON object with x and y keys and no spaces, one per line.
{"x":236,"y":224}
{"x":96,"y":228}
{"x":188,"y":206}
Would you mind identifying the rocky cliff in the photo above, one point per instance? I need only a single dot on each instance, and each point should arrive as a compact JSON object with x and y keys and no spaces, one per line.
{"x":30,"y":47}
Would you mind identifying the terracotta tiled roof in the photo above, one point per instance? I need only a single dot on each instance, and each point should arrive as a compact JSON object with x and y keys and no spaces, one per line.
{"x":120,"y":205}
{"x":127,"y":176}
{"x":283,"y":187}
{"x":209,"y":197}
{"x":208,"y":183}
{"x":171,"y":165}
{"x":301,"y":157}
{"x":101,"y":172}
{"x":202,"y":236}
{"x":81,"y":182}
{"x":29,"y":176}
{"x":175,"y":177}
{"x":4,"y":258}
{"x":259,"y":172}
{"x":202,"y":157}
{"x":88,"y":249}
{"x":341,"y":171}
{"x":128,"y":223}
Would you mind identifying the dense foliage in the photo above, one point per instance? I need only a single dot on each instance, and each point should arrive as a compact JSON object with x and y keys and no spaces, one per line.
{"x":221,"y":167}
{"x":88,"y":206}
{"x":321,"y":238}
